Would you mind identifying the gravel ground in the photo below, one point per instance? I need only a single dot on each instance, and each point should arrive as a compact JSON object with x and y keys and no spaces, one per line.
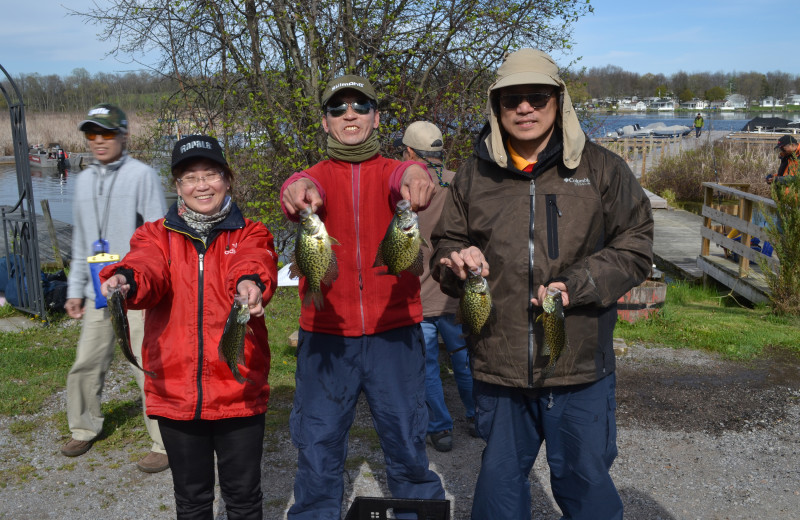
{"x":699,"y":438}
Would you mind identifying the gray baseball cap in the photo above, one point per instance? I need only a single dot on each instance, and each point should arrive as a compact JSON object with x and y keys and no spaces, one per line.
{"x":349,"y":82}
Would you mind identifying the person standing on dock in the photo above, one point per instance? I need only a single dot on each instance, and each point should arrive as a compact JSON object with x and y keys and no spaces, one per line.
{"x":698,"y":124}
{"x":540,"y":207}
{"x":113,"y":196}
{"x":788,"y":151}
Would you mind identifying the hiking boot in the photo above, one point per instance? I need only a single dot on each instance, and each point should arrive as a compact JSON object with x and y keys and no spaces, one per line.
{"x":153,"y":462}
{"x":75,"y":447}
{"x":441,"y":441}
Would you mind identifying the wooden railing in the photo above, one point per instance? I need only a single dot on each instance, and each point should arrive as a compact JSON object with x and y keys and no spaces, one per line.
{"x":743,"y":276}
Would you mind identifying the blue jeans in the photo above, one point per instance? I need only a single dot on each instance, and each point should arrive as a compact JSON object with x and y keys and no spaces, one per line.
{"x":332,"y":371}
{"x":579,"y":425}
{"x":439,"y":418}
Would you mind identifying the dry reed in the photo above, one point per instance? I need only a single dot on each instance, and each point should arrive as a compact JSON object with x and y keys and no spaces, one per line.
{"x":57,"y":127}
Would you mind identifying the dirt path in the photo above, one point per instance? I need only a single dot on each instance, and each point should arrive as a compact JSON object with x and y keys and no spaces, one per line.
{"x":698,"y":438}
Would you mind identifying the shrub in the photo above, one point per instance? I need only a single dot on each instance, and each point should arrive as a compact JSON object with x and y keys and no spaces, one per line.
{"x":784,"y":235}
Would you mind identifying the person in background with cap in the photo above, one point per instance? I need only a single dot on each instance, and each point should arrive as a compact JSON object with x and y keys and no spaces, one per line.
{"x":539,"y":206}
{"x":186,"y":270}
{"x":422,"y":142}
{"x":366,"y":336}
{"x":788,"y":151}
{"x":113,"y":196}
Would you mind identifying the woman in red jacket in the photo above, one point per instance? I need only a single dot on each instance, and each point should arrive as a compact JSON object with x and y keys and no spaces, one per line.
{"x":186,"y":269}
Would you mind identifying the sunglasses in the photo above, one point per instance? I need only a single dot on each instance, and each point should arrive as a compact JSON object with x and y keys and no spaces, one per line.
{"x":534,"y":99}
{"x":359,"y":107}
{"x":107,"y":135}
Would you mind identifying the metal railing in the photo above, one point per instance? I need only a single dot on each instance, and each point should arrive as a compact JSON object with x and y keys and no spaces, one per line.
{"x":19,"y":222}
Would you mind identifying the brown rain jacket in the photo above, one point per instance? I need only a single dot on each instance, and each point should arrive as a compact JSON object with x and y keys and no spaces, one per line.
{"x":590,"y":227}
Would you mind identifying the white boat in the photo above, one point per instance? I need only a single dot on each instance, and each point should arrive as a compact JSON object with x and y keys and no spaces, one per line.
{"x":52,"y":156}
{"x":653,"y":129}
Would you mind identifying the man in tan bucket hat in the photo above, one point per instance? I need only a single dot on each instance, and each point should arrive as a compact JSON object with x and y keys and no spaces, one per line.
{"x":541,"y":211}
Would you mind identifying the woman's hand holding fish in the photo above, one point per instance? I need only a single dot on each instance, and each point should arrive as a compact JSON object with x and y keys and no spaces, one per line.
{"x":543,"y":291}
{"x":417,"y":187}
{"x":466,"y":260}
{"x":248,"y":289}
{"x":299,"y":195}
{"x":115,"y":281}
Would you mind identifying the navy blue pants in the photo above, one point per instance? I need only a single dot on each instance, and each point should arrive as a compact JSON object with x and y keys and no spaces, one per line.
{"x":238,"y":443}
{"x":579,"y":425}
{"x":332,"y":371}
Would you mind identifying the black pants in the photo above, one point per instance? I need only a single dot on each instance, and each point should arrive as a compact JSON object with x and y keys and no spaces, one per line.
{"x":191,"y":445}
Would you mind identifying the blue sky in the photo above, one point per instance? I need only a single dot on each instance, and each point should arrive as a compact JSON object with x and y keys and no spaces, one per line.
{"x":638,"y":36}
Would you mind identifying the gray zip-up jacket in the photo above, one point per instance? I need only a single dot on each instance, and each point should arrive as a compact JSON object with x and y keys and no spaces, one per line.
{"x":111,"y":201}
{"x":590,"y":227}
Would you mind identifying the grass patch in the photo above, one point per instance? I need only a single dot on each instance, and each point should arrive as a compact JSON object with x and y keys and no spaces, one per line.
{"x":282,"y":315}
{"x":710,"y":320}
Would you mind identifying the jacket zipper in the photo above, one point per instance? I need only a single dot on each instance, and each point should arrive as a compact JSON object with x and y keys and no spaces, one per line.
{"x":355,"y":176}
{"x":531,"y":293}
{"x":199,"y":338}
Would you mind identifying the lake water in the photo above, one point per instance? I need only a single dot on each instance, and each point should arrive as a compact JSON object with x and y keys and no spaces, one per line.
{"x":47,"y":184}
{"x":600,"y":124}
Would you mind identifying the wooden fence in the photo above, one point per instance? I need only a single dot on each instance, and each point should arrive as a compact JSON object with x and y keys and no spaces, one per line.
{"x":742,"y":277}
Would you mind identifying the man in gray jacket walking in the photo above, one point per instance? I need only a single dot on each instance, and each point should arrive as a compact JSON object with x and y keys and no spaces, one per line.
{"x":113,"y":196}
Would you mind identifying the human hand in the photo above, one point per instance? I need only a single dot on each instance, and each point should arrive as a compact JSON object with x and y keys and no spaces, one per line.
{"x":299,"y":195}
{"x":74,"y":308}
{"x":248,"y":289}
{"x":416,"y":187}
{"x":466,"y":260}
{"x":542,"y":292}
{"x":117,"y":281}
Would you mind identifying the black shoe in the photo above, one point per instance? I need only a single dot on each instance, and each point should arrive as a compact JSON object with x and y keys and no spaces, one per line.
{"x":441,"y":441}
{"x":472,"y":431}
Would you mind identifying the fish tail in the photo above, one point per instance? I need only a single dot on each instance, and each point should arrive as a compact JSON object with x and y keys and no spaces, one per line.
{"x":239,"y":377}
{"x":313,"y":297}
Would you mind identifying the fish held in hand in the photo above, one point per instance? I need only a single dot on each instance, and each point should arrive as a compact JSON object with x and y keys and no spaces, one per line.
{"x":313,"y":257}
{"x":400,"y":248}
{"x":231,"y":344}
{"x":555,"y":337}
{"x":119,"y":321}
{"x":475,"y":306}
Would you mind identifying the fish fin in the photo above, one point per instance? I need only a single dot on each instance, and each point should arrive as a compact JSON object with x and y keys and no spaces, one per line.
{"x":313,"y":298}
{"x":334,"y":242}
{"x":379,"y":261}
{"x":417,"y":268}
{"x":294,"y":269}
{"x":333,"y":271}
{"x":426,"y":243}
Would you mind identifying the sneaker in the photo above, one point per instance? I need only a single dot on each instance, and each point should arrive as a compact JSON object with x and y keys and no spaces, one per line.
{"x":153,"y":462}
{"x":472,"y":431}
{"x":75,"y":447}
{"x":441,"y":441}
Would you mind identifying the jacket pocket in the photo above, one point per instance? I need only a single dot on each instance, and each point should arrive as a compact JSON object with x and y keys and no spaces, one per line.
{"x":552,"y":226}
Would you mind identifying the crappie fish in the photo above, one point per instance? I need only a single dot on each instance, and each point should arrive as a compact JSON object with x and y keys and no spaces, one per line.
{"x":231,"y":344}
{"x":313,"y":257}
{"x":119,"y":321}
{"x":400,"y":248}
{"x":554,"y":336}
{"x":475,"y":305}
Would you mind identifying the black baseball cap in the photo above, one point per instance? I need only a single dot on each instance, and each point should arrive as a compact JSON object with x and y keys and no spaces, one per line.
{"x":197,"y":147}
{"x":784,"y":140}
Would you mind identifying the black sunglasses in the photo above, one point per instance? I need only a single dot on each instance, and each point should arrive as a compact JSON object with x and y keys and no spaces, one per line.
{"x":534,"y":99}
{"x":359,"y":107}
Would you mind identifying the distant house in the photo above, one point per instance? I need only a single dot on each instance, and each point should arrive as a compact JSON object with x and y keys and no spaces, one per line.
{"x":770,"y":101}
{"x":793,"y":99}
{"x":637,"y":106}
{"x":734,"y":102}
{"x":695,"y":104}
{"x":662,"y":106}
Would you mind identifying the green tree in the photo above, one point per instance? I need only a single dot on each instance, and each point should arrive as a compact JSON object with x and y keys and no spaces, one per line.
{"x":784,"y":235}
{"x":661,"y":91}
{"x":686,"y":95}
{"x":715,"y":94}
{"x":252,"y":71}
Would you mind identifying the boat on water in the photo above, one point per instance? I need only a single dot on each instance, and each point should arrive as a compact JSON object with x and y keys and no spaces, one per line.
{"x":50,"y":156}
{"x":653,"y":129}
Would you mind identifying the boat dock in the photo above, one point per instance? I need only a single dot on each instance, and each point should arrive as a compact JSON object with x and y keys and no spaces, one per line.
{"x":63,"y":234}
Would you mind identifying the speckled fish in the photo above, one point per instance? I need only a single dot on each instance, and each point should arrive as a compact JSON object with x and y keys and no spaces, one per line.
{"x":475,"y":305}
{"x":231,"y":344}
{"x":313,"y":257}
{"x":119,"y":321}
{"x":400,"y":248}
{"x":554,"y":336}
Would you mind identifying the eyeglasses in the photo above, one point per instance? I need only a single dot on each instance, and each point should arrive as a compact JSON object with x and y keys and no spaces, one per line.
{"x":534,"y":99}
{"x":359,"y":107}
{"x":107,"y":135}
{"x":192,"y":181}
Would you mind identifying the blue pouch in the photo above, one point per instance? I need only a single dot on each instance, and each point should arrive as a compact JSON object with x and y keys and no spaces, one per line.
{"x":96,"y":264}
